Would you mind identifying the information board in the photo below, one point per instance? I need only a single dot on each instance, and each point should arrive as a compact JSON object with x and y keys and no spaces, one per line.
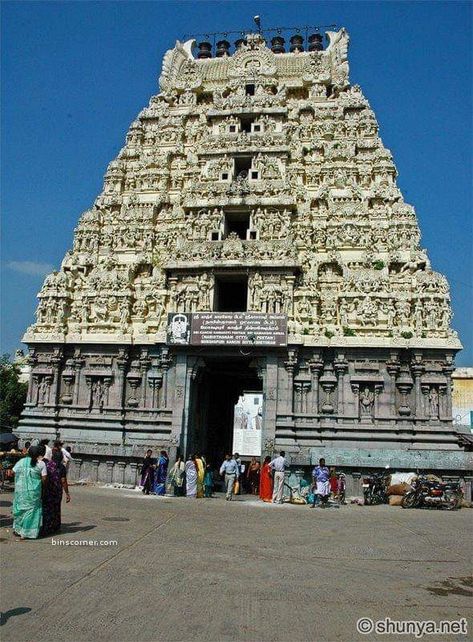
{"x":247,"y":424}
{"x":227,"y":328}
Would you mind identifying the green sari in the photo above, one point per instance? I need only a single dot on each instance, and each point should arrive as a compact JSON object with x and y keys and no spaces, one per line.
{"x":27,"y":508}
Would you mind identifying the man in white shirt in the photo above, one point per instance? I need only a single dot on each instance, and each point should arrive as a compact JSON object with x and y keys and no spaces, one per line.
{"x":231,"y":471}
{"x":49,"y":450}
{"x":278,"y":465}
{"x":66,"y":455}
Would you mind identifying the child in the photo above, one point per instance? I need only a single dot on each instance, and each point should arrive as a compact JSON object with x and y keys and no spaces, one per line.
{"x":333,"y":483}
{"x":208,"y":482}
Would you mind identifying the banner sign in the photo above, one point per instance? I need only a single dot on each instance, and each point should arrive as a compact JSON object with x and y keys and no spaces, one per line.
{"x":247,"y":424}
{"x":227,"y":329}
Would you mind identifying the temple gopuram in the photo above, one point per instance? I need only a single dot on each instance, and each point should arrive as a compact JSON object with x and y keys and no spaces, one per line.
{"x":250,"y":239}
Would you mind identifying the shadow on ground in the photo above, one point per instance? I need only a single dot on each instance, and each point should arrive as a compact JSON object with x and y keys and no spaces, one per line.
{"x":5,"y":616}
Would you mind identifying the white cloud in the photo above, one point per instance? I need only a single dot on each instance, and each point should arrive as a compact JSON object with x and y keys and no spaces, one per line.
{"x":30,"y":267}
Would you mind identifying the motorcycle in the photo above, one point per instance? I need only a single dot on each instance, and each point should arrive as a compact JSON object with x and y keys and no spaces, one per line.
{"x":426,"y":492}
{"x":375,"y":488}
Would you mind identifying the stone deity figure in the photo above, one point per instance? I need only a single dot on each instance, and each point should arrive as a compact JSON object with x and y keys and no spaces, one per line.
{"x":366,"y":402}
{"x":43,"y":391}
{"x":434,"y":403}
{"x":98,"y":394}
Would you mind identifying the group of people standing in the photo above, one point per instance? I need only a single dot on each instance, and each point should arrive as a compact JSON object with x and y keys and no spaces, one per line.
{"x":40,"y":481}
{"x":191,"y":478}
{"x":194,"y":477}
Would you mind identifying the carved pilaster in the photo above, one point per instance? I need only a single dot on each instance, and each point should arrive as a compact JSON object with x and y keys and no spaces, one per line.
{"x":122,"y":362}
{"x":328,"y":381}
{"x":404,"y":384}
{"x":417,"y":368}
{"x":290,"y":366}
{"x":315,"y":366}
{"x":54,"y":383}
{"x":341,"y":367}
{"x":165,"y":363}
{"x":393,"y":367}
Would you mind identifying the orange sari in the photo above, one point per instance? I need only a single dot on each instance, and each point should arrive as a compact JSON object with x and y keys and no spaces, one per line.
{"x":266,"y":483}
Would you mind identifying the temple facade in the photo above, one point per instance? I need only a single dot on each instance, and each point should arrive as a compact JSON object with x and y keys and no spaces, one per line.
{"x":250,"y":235}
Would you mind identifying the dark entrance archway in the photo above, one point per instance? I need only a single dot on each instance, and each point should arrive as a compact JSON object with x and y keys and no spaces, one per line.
{"x":215,"y":390}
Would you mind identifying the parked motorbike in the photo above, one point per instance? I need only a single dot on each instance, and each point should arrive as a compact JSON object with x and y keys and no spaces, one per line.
{"x":375,"y":488}
{"x":426,"y":492}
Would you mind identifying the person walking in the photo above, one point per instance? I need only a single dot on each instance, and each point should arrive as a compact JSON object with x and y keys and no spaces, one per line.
{"x":200,"y":468}
{"x":52,"y":496}
{"x":208,"y":481}
{"x":177,"y":477}
{"x":66,"y":455}
{"x":266,"y":481}
{"x":30,"y":479}
{"x":321,"y":475}
{"x":278,"y":466}
{"x":161,"y":473}
{"x":191,"y":477}
{"x":49,"y":451}
{"x":147,"y":472}
{"x":253,"y":476}
{"x":230,"y":470}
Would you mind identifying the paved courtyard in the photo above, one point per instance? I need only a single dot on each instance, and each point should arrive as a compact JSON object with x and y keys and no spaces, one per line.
{"x":217,"y":571}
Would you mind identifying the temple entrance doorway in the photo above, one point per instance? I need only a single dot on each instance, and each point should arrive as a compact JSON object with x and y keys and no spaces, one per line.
{"x":217,"y":388}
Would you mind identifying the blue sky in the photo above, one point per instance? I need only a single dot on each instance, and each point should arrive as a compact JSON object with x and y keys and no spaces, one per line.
{"x":76,"y":74}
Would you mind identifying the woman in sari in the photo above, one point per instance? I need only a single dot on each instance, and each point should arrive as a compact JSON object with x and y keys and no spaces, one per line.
{"x":191,"y":478}
{"x":161,"y":473}
{"x":176,"y":477}
{"x":200,"y":467}
{"x":52,"y":497}
{"x":30,"y":479}
{"x":253,"y":476}
{"x":148,"y":468}
{"x":266,"y":481}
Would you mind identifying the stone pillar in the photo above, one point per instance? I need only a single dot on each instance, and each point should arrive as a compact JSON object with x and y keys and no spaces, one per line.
{"x":270,"y":393}
{"x":132,"y":473}
{"x":297,"y":402}
{"x":417,"y":368}
{"x":316,"y":366}
{"x":30,"y":389}
{"x":392,"y":368}
{"x":56,"y":363}
{"x":290,"y":366}
{"x":328,"y":382}
{"x":144,"y":370}
{"x":95,"y":468}
{"x":76,"y":465}
{"x":165,"y":363}
{"x":468,"y":488}
{"x":356,"y":484}
{"x":78,"y":363}
{"x":305,"y":397}
{"x":341,"y":366}
{"x":122,"y":361}
{"x":447,"y":370}
{"x":179,"y":418}
{"x":121,"y":471}
{"x":110,"y":466}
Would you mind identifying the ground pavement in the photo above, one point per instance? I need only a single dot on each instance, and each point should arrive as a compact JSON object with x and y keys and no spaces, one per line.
{"x":217,"y":571}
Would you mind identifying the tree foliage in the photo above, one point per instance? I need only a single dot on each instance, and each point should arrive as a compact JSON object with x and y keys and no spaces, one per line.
{"x":12,"y":394}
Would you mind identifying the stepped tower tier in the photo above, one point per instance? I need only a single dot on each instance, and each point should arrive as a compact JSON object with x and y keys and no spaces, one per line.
{"x":253,"y":189}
